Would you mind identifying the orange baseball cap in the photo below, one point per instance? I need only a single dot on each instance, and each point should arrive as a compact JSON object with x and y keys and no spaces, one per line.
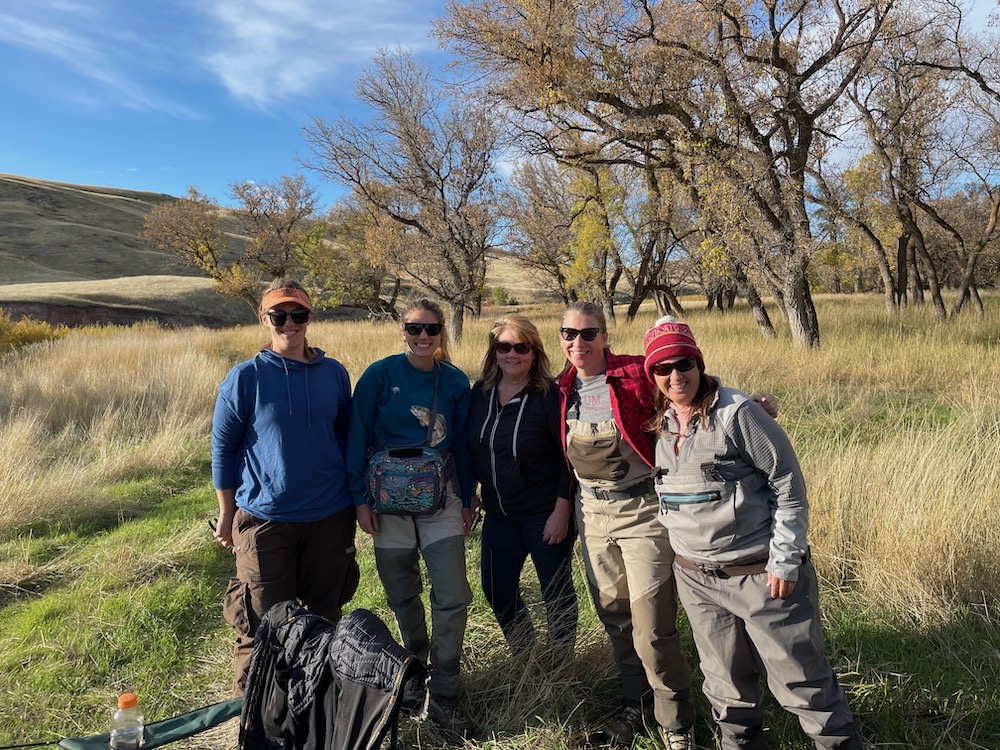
{"x":285,"y":294}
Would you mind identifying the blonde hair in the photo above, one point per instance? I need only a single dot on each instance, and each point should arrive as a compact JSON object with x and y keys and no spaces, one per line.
{"x":540,"y":376}
{"x":441,"y":353}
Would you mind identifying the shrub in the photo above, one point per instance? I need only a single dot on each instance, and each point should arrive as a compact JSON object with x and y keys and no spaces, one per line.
{"x":14,"y":335}
{"x":499,"y":296}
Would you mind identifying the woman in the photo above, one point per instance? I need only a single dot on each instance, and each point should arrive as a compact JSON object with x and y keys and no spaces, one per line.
{"x":733,"y":498}
{"x":393,"y":403}
{"x":605,"y":406}
{"x":278,"y":440}
{"x":515,"y":447}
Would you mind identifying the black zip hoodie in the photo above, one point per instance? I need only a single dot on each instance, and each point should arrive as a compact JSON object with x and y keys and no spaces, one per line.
{"x":516,"y":451}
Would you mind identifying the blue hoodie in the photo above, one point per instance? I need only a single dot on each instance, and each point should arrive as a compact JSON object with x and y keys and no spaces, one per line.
{"x":279,"y":436}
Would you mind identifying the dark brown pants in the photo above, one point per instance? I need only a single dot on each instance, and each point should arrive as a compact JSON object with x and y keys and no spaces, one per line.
{"x":313,"y":562}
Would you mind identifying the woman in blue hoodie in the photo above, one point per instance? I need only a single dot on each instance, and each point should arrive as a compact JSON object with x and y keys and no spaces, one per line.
{"x":279,"y":437}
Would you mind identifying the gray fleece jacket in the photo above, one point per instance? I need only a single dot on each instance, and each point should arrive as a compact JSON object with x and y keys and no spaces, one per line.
{"x":735,"y":494}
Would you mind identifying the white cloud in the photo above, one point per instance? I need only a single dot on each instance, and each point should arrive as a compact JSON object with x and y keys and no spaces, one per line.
{"x":141,"y":55}
{"x":266,"y":51}
{"x":102,"y":63}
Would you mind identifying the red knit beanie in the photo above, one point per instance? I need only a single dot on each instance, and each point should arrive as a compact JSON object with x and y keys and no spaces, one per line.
{"x":668,"y":339}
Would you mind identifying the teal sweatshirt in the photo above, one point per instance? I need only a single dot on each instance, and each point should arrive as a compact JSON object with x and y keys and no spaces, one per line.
{"x":392,"y":403}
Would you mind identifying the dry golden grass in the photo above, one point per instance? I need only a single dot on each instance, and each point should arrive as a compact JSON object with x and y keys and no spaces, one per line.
{"x":896,"y":422}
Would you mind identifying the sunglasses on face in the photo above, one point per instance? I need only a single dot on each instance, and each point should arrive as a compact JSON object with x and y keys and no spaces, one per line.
{"x":279,"y":317}
{"x":414,"y":329}
{"x":682,"y":365}
{"x":504,"y":347}
{"x":587,"y":334}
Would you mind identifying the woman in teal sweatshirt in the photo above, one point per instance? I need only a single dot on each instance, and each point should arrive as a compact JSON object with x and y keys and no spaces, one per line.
{"x":393,"y":402}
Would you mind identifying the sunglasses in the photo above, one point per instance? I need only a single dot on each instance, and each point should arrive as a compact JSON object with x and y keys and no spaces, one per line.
{"x":504,"y":347}
{"x":414,"y":329}
{"x":279,"y":317}
{"x":587,"y":334}
{"x":682,"y":365}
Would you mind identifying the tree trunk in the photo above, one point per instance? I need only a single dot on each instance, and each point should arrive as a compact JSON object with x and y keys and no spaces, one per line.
{"x":967,"y":287}
{"x":750,"y":294}
{"x":902,"y":269}
{"x":800,"y":312}
{"x":675,"y":304}
{"x":933,"y":284}
{"x":456,"y":321}
{"x":977,"y":301}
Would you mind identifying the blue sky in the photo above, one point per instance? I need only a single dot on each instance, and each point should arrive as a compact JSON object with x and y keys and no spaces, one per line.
{"x":160,"y":95}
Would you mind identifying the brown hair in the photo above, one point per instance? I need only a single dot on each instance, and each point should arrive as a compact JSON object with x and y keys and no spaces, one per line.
{"x":286,"y":282}
{"x":587,"y":309}
{"x":540,"y":375}
{"x":708,"y":386}
{"x":429,"y":305}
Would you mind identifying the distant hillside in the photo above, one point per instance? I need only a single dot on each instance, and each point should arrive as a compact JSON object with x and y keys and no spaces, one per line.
{"x":72,"y":254}
{"x":51,"y":231}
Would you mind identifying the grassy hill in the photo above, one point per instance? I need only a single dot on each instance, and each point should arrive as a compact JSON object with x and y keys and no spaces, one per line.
{"x":72,"y":254}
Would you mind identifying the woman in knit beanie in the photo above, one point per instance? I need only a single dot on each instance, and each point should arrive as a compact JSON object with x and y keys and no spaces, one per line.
{"x":733,"y":498}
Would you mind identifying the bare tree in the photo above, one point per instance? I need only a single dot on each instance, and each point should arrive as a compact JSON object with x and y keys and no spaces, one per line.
{"x":720,"y":91}
{"x":538,"y":210}
{"x":424,"y":162}
{"x":273,"y":224}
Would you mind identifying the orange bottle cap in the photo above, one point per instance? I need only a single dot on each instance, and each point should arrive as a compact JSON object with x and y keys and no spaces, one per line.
{"x":127,"y":700}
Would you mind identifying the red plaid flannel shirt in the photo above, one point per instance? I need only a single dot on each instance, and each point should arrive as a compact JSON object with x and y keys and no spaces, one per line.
{"x":631,"y":401}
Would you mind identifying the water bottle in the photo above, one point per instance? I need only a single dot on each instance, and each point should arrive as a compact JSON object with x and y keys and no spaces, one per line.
{"x":127,"y":724}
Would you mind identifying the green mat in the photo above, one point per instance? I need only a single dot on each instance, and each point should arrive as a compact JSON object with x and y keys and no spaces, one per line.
{"x":168,"y":730}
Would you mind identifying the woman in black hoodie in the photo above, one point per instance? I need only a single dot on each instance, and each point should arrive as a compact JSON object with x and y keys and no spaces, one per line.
{"x":514,"y":442}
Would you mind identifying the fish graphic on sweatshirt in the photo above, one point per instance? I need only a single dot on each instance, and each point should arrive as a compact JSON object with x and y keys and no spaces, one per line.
{"x":423,"y":415}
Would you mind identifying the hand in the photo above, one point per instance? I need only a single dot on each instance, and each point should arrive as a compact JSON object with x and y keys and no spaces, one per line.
{"x":557,"y":524}
{"x":780,"y":588}
{"x":222,"y":530}
{"x":769,"y":402}
{"x":367,"y":520}
{"x":470,"y":518}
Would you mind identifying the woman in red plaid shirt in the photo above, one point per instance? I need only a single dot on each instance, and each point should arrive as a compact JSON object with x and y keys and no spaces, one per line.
{"x":607,"y":402}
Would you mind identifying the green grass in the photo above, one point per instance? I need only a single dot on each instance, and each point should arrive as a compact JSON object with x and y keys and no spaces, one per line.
{"x":896,"y":422}
{"x":130,"y":600}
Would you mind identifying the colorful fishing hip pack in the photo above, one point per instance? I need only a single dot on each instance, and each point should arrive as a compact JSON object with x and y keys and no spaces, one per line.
{"x":408,"y":481}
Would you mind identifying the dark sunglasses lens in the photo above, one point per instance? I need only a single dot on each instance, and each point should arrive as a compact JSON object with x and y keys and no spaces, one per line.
{"x":280,"y":317}
{"x":588,"y":334}
{"x":504,"y":347}
{"x":664,"y":368}
{"x":414,"y":329}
